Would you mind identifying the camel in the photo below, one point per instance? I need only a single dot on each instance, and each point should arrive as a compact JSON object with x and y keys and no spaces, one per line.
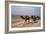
{"x":35,"y":18}
{"x":25,"y":18}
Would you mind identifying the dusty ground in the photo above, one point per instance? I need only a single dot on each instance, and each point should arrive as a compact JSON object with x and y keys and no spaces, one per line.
{"x":18,"y":22}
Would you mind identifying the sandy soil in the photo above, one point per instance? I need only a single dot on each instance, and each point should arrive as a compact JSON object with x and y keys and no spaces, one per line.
{"x":18,"y":22}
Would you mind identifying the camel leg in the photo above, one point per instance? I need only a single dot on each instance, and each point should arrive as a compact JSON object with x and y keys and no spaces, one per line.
{"x":28,"y":21}
{"x":25,"y":21}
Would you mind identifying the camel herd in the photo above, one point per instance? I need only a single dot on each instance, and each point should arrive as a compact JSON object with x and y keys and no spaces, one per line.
{"x":34,"y":18}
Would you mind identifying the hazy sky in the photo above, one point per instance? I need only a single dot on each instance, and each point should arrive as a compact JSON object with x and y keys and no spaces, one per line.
{"x":25,"y":10}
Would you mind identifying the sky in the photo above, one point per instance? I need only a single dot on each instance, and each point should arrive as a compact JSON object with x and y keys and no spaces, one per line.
{"x":25,"y":10}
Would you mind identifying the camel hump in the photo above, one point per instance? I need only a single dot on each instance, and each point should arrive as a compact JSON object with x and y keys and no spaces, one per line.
{"x":27,"y":16}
